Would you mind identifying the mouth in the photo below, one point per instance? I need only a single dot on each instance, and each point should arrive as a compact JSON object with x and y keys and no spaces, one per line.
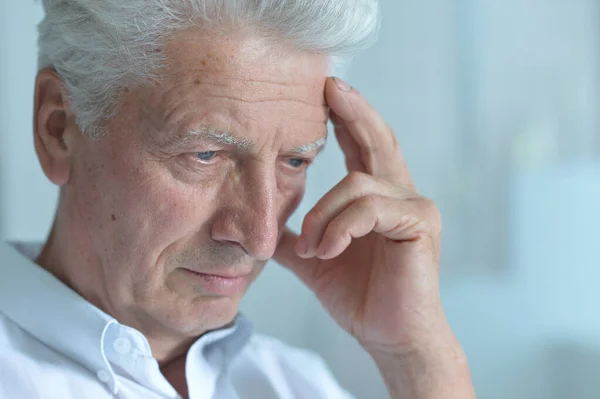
{"x":227,"y":274}
{"x":226,"y":283}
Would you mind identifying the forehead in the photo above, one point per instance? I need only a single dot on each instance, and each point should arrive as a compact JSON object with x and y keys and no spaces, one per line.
{"x":197,"y":54}
{"x":248,"y":82}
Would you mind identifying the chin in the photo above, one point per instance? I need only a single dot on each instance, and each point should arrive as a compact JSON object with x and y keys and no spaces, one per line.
{"x":209,"y":313}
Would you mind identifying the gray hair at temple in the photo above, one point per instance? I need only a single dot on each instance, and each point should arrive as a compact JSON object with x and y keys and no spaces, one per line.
{"x":98,"y":47}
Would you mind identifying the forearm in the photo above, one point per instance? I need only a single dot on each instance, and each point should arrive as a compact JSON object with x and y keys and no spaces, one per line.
{"x":436,"y":371}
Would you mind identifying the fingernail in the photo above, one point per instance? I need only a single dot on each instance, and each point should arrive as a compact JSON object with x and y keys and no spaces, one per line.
{"x":322,"y":253}
{"x":343,"y":86}
{"x":301,"y":247}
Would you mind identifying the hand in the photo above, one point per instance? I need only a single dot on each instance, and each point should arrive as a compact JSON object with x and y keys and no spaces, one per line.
{"x":370,"y":248}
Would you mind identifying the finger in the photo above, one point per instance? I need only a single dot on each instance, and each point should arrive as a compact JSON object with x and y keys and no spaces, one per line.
{"x":380,"y":151}
{"x":356,"y":221}
{"x":352,"y":187}
{"x":349,"y":146}
{"x":399,"y":220}
{"x":285,"y":255}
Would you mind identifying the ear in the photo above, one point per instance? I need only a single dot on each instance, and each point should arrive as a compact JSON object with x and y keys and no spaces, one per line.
{"x":54,"y":127}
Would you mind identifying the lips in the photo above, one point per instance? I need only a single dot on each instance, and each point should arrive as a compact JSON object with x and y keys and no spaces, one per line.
{"x":225,"y":283}
{"x":233,"y":274}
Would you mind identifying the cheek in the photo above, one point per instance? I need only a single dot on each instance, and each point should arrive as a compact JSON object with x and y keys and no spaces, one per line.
{"x":161,"y":208}
{"x":140,"y":210}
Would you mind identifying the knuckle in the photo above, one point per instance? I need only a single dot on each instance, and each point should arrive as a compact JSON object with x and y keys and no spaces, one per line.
{"x":363,"y":183}
{"x":371,"y":149}
{"x":357,"y":179}
{"x":313,"y":218}
{"x":336,"y":228}
{"x":431,"y":213}
{"x":367,"y":202}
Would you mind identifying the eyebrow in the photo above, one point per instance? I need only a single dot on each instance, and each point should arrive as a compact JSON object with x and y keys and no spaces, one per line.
{"x":227,"y":138}
{"x":307,"y":148}
{"x":219,"y":136}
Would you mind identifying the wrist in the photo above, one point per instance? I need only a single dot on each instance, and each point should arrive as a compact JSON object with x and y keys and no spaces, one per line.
{"x":428,"y":368}
{"x":431,"y":349}
{"x":415,"y":339}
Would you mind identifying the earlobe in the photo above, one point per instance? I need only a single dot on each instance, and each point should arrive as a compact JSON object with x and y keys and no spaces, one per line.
{"x":53,"y":127}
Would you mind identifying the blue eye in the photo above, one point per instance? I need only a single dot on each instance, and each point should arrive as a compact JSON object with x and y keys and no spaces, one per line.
{"x":297,"y":162}
{"x":206,"y":155}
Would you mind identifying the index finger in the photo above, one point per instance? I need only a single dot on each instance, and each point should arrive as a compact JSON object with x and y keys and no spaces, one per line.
{"x":356,"y":121}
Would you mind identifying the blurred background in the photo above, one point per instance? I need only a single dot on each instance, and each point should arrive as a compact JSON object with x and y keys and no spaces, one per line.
{"x":496,"y":105}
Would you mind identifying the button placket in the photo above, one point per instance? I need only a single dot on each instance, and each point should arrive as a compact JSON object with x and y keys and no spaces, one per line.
{"x":122,"y":346}
{"x":103,"y":376}
{"x":134,"y":356}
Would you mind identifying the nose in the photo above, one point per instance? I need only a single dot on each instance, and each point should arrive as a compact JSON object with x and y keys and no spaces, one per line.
{"x":249,"y":214}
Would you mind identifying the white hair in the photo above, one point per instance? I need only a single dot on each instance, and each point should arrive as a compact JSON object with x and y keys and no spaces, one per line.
{"x":98,"y":47}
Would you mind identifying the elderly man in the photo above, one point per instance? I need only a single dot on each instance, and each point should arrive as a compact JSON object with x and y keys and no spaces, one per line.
{"x":180,"y":132}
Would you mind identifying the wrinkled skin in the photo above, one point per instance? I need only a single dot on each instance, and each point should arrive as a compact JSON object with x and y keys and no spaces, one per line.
{"x":146,"y":208}
{"x":145,"y":202}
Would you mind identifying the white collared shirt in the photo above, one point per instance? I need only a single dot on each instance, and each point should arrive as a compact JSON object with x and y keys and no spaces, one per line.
{"x":55,"y":344}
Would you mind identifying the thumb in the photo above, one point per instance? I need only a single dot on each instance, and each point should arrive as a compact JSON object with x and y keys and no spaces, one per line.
{"x":285,"y":255}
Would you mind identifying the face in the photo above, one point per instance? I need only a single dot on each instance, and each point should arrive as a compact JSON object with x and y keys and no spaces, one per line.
{"x":182,"y":202}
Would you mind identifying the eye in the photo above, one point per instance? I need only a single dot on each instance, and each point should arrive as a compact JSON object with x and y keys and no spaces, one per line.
{"x":297,"y":162}
{"x":205,"y":156}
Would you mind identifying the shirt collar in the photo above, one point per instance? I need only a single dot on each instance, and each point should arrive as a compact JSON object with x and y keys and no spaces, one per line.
{"x":48,"y":309}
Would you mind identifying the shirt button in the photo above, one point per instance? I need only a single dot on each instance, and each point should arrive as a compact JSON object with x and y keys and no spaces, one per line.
{"x":122,"y":346}
{"x":103,"y":376}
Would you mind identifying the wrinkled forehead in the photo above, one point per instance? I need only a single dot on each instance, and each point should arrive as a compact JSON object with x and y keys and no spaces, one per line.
{"x":254,"y":68}
{"x":219,"y":81}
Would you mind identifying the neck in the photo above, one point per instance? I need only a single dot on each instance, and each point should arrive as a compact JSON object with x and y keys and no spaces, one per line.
{"x":56,"y":259}
{"x":174,"y":372}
